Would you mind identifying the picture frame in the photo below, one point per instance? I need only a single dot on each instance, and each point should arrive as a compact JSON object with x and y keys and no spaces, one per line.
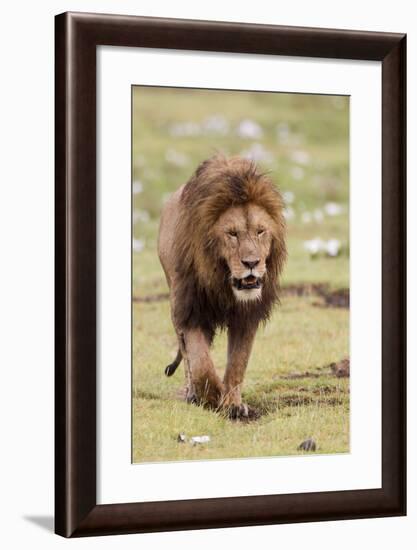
{"x":77,"y":35}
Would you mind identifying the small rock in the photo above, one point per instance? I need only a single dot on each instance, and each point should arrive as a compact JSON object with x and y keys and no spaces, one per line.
{"x":199,"y":439}
{"x":307,"y":445}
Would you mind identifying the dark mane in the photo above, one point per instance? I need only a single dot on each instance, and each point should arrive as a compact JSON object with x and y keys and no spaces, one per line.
{"x":204,"y":296}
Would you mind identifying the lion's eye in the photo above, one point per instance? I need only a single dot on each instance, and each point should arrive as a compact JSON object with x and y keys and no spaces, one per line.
{"x":261,"y":232}
{"x":232,"y":233}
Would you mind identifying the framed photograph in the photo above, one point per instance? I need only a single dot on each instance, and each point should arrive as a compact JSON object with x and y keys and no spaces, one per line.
{"x":230,"y":274}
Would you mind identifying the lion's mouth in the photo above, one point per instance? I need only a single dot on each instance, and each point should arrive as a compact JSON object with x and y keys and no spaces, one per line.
{"x":247,"y":283}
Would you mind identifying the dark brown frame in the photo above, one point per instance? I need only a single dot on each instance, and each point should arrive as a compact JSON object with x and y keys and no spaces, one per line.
{"x":77,"y":36}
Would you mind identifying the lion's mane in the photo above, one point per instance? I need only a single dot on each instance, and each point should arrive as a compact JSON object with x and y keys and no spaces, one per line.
{"x":204,"y":297}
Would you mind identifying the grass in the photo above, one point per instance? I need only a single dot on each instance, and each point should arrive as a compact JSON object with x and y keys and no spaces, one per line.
{"x":292,"y":408}
{"x":304,"y":144}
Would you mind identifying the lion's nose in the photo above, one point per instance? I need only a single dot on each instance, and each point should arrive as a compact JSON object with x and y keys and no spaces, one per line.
{"x":250,"y":264}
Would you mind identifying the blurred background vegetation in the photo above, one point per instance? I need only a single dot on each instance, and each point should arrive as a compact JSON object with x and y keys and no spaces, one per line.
{"x":303,"y":142}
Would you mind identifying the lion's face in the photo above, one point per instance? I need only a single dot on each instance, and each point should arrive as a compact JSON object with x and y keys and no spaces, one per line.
{"x":244,"y":234}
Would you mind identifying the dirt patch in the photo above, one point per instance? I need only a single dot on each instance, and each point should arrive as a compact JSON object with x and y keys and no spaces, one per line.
{"x":268,"y":401}
{"x":335,"y":298}
{"x":268,"y":404}
{"x":330,"y":298}
{"x":340,"y":369}
{"x":304,"y":289}
{"x":161,"y":297}
{"x":300,"y":375}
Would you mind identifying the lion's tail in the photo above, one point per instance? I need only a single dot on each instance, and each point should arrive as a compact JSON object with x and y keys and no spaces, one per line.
{"x":171,"y":368}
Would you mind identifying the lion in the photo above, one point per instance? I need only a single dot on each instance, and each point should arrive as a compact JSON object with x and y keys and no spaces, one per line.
{"x":222,"y":247}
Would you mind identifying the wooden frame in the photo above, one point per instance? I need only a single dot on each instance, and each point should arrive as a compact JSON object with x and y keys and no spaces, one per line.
{"x":76,"y":511}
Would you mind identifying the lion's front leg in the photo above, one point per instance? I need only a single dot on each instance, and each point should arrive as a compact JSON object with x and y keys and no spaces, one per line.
{"x":238,"y":352}
{"x":204,"y":384}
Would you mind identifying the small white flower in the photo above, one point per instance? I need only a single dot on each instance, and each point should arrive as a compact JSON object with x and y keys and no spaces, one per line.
{"x":288,"y":213}
{"x":332,"y":247}
{"x":257,"y":153}
{"x":300,"y":157}
{"x":138,"y":245}
{"x":216,"y":124}
{"x":297,"y":172}
{"x":314,"y":247}
{"x":175,"y":157}
{"x":137,"y":187}
{"x":318,"y":216}
{"x":333,"y":209}
{"x":283,"y":132}
{"x":288,"y":197}
{"x":306,"y":217}
{"x":249,"y":129}
{"x":141,"y":215}
{"x":184,"y":129}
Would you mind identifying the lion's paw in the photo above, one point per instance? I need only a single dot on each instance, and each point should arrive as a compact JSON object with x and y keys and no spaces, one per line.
{"x":237,"y":412}
{"x":191,"y":395}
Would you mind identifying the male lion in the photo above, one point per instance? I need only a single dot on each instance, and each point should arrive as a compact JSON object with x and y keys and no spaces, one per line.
{"x":222,"y":247}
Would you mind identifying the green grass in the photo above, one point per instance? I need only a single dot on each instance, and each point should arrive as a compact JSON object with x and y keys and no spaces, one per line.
{"x":300,"y":337}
